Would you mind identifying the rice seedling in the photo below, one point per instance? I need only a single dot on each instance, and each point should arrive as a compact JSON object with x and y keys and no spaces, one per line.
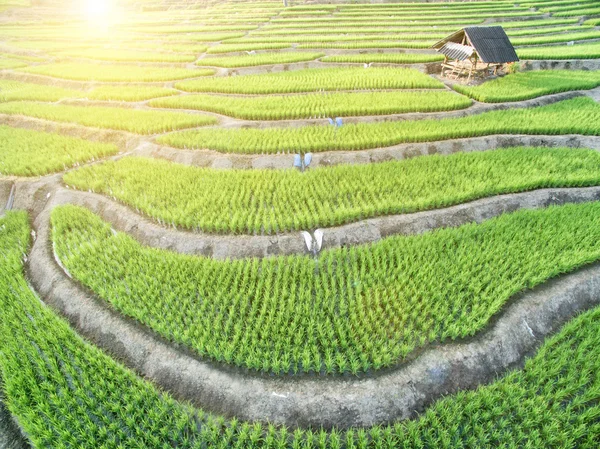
{"x":285,"y":107}
{"x":259,"y":59}
{"x":575,"y":116}
{"x":546,"y":30}
{"x":129,"y":93}
{"x":113,"y":54}
{"x":354,"y":45}
{"x":11,"y":63}
{"x":314,"y":80}
{"x":375,"y":303}
{"x":412,"y":38}
{"x":25,"y":152}
{"x":18,"y":91}
{"x":205,"y":37}
{"x":556,"y":38}
{"x":386,"y":58}
{"x":525,"y":85}
{"x":108,"y":72}
{"x":124,"y":119}
{"x":579,"y":51}
{"x":172,"y":29}
{"x":538,"y":23}
{"x":231,"y":48}
{"x":215,"y":201}
{"x":578,"y":12}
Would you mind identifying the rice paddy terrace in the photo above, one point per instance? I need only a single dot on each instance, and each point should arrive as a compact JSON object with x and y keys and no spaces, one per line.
{"x":249,"y":225}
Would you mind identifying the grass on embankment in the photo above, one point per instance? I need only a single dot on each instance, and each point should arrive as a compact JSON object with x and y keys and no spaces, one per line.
{"x":526,"y":85}
{"x":575,"y":116}
{"x":348,"y":310}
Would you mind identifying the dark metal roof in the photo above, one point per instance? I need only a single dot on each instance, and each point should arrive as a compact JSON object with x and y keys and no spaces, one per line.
{"x":492,"y":44}
{"x":456,"y":51}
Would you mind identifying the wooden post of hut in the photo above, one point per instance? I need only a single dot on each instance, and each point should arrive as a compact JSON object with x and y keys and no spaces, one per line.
{"x":472,"y":51}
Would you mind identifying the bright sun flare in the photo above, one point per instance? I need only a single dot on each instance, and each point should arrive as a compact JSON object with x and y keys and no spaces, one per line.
{"x":98,"y":10}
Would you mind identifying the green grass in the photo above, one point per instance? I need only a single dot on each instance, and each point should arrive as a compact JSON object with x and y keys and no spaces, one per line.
{"x":114,"y":72}
{"x":314,"y":80}
{"x":331,"y":104}
{"x":129,"y":93}
{"x":525,"y":85}
{"x":216,"y":201}
{"x":64,"y":392}
{"x":18,"y":91}
{"x":124,"y":119}
{"x":575,"y":116}
{"x":351,"y":310}
{"x":579,"y":51}
{"x":387,"y":58}
{"x":113,"y":54}
{"x":25,"y":152}
{"x":259,"y":59}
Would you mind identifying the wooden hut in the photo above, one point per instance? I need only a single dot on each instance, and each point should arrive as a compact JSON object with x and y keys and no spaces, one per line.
{"x":476,"y":51}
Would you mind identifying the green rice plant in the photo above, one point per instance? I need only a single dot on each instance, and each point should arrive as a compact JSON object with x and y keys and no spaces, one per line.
{"x":204,"y":37}
{"x":11,"y":63}
{"x":386,"y":58}
{"x":420,"y":39}
{"x":354,"y":29}
{"x":578,"y":12}
{"x":579,"y":51}
{"x":24,"y":152}
{"x":319,"y":105}
{"x":575,"y":116}
{"x":358,"y":25}
{"x":368,"y":44}
{"x":525,"y":85}
{"x":21,"y":57}
{"x":309,"y":22}
{"x":314,"y":80}
{"x":373,"y":303}
{"x":124,"y":119}
{"x":555,"y":38}
{"x":172,"y":29}
{"x":230,"y":48}
{"x":18,"y":91}
{"x":65,"y":392}
{"x":138,"y":92}
{"x":114,"y":72}
{"x":259,"y":59}
{"x":538,"y":23}
{"x":546,"y":30}
{"x":113,"y":54}
{"x":215,"y":201}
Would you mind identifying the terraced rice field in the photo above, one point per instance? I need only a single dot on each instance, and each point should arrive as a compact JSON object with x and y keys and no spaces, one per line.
{"x":244,"y":224}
